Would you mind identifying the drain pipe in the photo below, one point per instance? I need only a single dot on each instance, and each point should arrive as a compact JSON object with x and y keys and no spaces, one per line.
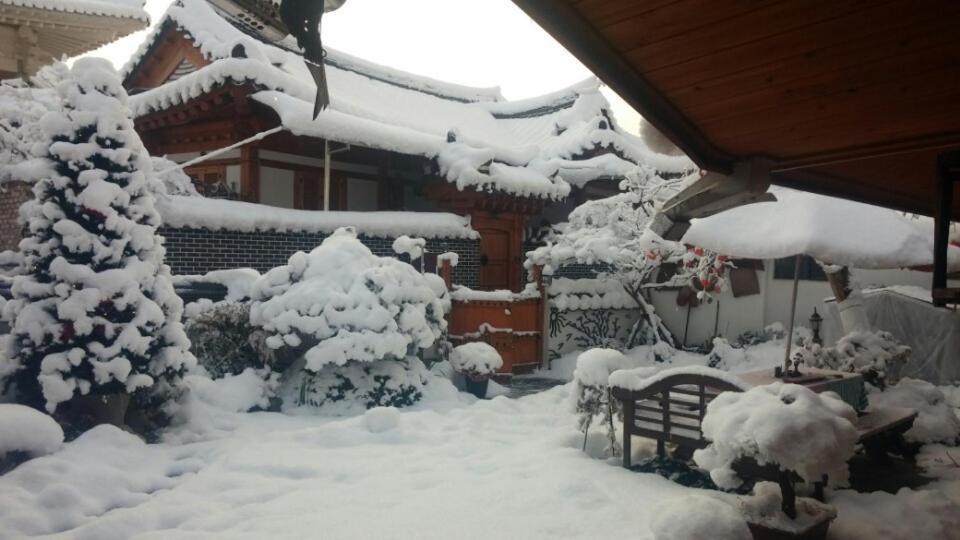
{"x":327,"y":154}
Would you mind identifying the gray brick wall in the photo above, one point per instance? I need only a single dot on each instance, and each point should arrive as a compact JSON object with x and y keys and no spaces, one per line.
{"x":12,"y":195}
{"x":581,"y":271}
{"x":198,"y":251}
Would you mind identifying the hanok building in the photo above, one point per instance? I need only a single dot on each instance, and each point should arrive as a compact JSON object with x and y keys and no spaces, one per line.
{"x":395,"y":154}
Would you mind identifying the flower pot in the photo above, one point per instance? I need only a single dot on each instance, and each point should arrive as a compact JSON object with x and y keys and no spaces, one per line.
{"x":477,"y":385}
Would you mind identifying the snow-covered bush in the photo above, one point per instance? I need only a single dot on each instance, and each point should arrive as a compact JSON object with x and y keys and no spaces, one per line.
{"x":936,"y":420}
{"x":225,"y":343}
{"x":593,"y":395}
{"x":615,"y":232}
{"x":784,"y":424}
{"x":698,"y":517}
{"x":476,"y":360}
{"x":27,"y":430}
{"x":357,"y":320}
{"x":724,"y":356}
{"x":94,"y":310}
{"x":380,"y":383}
{"x":875,"y":355}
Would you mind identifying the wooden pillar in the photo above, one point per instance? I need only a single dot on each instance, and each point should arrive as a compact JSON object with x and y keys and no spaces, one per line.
{"x":250,"y":173}
{"x":948,"y":172}
{"x":446,"y":272}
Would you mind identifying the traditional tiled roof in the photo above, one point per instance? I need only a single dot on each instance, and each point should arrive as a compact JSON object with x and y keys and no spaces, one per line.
{"x":536,"y":147}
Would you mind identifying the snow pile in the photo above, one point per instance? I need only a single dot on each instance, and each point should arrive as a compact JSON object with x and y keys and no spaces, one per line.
{"x":876,"y":355}
{"x":222,"y":214}
{"x":832,"y":230}
{"x":341,"y":302}
{"x":451,"y":257}
{"x":785,"y":424}
{"x":765,"y":507}
{"x":469,"y":167}
{"x":27,"y":430}
{"x":412,"y":247}
{"x":466,"y":294}
{"x":475,"y":359}
{"x":232,"y":392}
{"x":724,"y":356}
{"x":595,"y":366}
{"x":936,"y":420}
{"x":640,"y":379}
{"x":599,"y":293}
{"x":98,"y":313}
{"x":380,"y":419}
{"x":698,"y":517}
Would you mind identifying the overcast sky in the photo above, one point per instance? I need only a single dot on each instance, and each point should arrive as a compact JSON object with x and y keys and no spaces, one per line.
{"x":472,"y":42}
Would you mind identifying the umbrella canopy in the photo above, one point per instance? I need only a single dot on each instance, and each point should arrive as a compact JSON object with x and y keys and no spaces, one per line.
{"x":832,"y":230}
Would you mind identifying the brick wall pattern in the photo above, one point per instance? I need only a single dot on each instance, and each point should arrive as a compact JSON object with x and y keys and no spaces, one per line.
{"x":198,"y":251}
{"x":12,"y":195}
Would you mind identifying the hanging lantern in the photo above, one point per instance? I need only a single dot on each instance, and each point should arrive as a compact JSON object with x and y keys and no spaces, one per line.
{"x":273,"y":20}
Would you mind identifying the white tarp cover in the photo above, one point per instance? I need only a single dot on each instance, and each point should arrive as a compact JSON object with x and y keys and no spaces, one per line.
{"x":933,"y":333}
{"x":835,"y":231}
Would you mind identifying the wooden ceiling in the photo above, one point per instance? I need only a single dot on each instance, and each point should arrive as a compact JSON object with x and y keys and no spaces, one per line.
{"x":852,"y":98}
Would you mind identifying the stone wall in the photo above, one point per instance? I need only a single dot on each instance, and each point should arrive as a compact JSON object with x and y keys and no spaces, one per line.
{"x":198,"y":251}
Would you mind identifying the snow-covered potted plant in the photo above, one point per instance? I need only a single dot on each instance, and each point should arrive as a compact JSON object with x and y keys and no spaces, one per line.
{"x":477,"y":362}
{"x":788,"y":426}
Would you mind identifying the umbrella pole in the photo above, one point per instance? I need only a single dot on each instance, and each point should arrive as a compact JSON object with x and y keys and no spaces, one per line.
{"x":793,"y":315}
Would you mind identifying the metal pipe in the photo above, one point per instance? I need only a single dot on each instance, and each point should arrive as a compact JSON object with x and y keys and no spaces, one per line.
{"x":326,"y":175}
{"x":793,"y":315}
{"x":258,"y":137}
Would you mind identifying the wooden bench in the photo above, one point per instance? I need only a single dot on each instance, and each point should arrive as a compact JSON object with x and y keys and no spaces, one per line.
{"x":669,"y":410}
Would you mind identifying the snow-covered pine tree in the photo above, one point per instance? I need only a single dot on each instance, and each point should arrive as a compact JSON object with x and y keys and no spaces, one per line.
{"x":95,"y":311}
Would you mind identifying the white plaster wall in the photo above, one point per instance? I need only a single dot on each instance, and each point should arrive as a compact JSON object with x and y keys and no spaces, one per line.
{"x":754,"y":312}
{"x":276,"y":187}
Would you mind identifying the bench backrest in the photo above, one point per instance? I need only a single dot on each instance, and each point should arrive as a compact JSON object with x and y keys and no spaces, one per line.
{"x":671,"y":409}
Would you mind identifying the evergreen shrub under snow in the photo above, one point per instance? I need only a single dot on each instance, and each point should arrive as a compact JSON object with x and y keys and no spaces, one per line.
{"x":355,"y":321}
{"x":94,"y":311}
{"x":224,"y":341}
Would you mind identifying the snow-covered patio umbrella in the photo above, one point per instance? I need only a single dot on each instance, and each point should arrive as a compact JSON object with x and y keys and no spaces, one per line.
{"x":831,"y":230}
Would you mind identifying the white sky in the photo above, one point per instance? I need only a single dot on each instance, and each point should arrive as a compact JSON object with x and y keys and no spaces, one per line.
{"x":471,"y":42}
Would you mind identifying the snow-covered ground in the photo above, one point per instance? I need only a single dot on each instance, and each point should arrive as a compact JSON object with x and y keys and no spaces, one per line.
{"x":451,"y":466}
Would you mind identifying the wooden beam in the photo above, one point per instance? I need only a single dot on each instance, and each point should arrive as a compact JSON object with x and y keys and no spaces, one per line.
{"x":250,"y":173}
{"x":948,"y":173}
{"x":562,"y":21}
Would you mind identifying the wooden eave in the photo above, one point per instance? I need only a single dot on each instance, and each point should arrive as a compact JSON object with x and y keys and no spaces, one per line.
{"x":60,"y":33}
{"x":852,"y":99}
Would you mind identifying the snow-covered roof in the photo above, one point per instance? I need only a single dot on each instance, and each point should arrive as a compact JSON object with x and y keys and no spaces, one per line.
{"x":835,"y":231}
{"x":535,"y":147}
{"x":132,"y":9}
{"x":216,"y":214}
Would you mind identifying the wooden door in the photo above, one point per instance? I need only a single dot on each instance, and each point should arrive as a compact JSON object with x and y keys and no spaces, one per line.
{"x":495,"y":258}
